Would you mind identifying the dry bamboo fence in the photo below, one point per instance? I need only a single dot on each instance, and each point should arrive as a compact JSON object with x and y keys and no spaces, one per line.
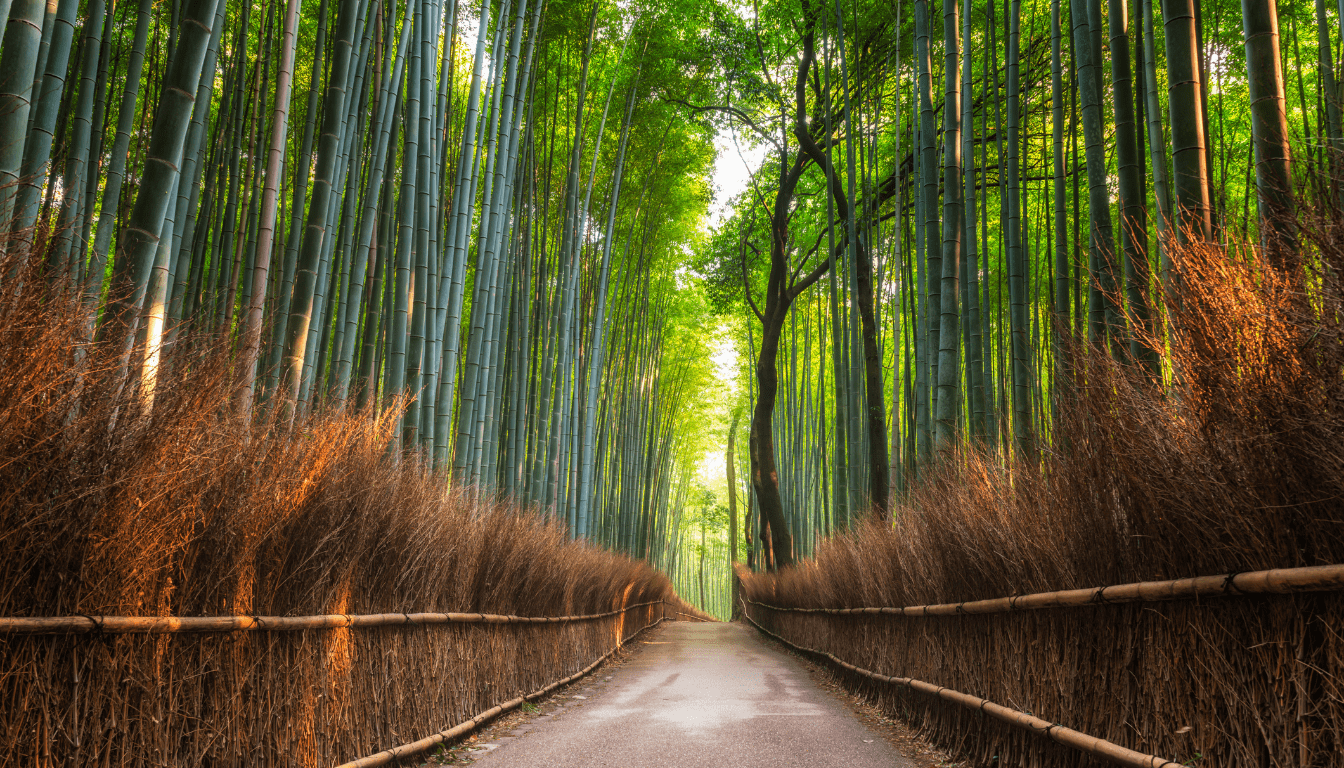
{"x":294,"y":690}
{"x":465,"y":727}
{"x":1066,"y":736}
{"x":1147,"y":666}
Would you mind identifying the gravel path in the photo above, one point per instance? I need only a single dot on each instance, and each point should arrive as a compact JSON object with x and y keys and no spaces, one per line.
{"x":697,"y":694}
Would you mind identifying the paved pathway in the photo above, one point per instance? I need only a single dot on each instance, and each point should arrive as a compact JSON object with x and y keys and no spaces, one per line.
{"x":699,"y":695}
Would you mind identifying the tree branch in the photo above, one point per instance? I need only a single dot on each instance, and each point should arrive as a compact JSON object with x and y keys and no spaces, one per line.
{"x":727,"y":110}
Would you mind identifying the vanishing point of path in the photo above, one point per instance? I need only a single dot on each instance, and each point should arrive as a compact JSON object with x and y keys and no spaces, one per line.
{"x":700,"y":695}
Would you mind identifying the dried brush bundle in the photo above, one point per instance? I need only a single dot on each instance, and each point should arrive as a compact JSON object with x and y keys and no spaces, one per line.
{"x":115,"y":504}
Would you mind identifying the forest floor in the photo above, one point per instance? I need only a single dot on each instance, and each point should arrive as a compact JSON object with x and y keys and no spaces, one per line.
{"x":699,"y":694}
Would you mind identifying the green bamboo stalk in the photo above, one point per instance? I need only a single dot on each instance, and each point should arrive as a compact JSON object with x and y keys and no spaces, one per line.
{"x":1022,"y":373}
{"x":389,"y":102}
{"x":18,"y":62}
{"x":305,"y":280}
{"x":116,"y":173}
{"x":1269,"y":131}
{"x":139,"y":240}
{"x":37,"y":147}
{"x":1193,"y":217}
{"x":949,"y":369}
{"x":1133,"y":202}
{"x":1157,"y":146}
{"x":78,"y":160}
{"x":275,"y":157}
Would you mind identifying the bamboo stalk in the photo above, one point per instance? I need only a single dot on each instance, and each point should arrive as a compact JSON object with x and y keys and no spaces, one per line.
{"x":1319,"y":578}
{"x":175,"y":624}
{"x":1066,"y":736}
{"x":466,"y":726}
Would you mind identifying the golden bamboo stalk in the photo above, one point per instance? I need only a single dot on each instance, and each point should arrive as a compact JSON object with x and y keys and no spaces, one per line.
{"x":466,"y":726}
{"x":172,"y":624}
{"x":1067,"y":736}
{"x":1318,"y":578}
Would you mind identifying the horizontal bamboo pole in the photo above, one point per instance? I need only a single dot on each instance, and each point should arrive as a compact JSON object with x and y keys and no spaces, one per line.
{"x":1067,"y":736}
{"x":171,"y":624}
{"x":1319,"y":578}
{"x":415,"y":747}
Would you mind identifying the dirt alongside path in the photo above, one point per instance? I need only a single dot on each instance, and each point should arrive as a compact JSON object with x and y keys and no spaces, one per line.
{"x":697,"y":694}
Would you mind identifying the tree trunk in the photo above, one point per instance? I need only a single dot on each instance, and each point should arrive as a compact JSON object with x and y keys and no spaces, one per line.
{"x":18,"y":63}
{"x":275,"y":160}
{"x":764,"y":473}
{"x":1103,"y":315}
{"x":310,"y":252}
{"x":1269,"y":130}
{"x":1019,"y":343}
{"x":1184,"y":92}
{"x":730,"y":461}
{"x":1133,"y":208}
{"x":949,"y":372}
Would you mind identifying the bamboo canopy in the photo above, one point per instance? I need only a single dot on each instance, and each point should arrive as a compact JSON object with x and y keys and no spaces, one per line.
{"x":159,"y":625}
{"x":1279,"y":581}
{"x":1066,"y":736}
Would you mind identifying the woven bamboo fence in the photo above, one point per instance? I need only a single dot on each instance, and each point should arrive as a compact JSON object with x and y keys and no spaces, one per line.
{"x":1230,"y":670}
{"x":302,"y":691}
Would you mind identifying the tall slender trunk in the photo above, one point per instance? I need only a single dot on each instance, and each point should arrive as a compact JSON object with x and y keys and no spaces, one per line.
{"x":80,"y":160}
{"x":261,"y":270}
{"x":949,"y":370}
{"x":1333,"y":121}
{"x":1185,"y":90}
{"x":1022,"y":371}
{"x":1269,"y":131}
{"x":1103,"y":312}
{"x":931,"y":243}
{"x":37,"y":147}
{"x":18,"y":63}
{"x":730,"y":467}
{"x":1133,"y":203}
{"x":139,"y":240}
{"x":1061,"y":250}
{"x":1157,"y":145}
{"x":315,"y":231}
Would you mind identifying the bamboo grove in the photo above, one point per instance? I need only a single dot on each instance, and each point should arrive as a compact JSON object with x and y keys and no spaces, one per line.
{"x":492,"y":216}
{"x":471,"y":213}
{"x":946,"y":214}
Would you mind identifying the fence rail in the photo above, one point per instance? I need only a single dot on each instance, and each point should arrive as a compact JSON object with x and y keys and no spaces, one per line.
{"x":172,"y":624}
{"x":1319,"y":578}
